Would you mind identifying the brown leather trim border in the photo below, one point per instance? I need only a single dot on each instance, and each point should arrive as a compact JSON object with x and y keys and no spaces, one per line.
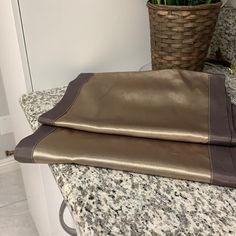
{"x":232,"y":119}
{"x":219,"y":127}
{"x":223,"y":160}
{"x":221,"y":124}
{"x":66,"y":102}
{"x":25,"y":148}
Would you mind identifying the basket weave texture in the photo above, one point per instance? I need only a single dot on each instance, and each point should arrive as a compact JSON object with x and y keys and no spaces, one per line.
{"x":181,"y":35}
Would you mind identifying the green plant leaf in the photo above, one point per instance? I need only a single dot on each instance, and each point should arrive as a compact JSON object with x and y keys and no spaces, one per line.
{"x":181,"y":2}
{"x":171,"y":2}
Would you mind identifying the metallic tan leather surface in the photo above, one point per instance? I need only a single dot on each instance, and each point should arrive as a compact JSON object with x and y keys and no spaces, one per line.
{"x":167,"y":104}
{"x":171,"y":159}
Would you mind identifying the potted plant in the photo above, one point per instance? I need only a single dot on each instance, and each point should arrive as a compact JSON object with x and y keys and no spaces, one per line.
{"x":181,"y":32}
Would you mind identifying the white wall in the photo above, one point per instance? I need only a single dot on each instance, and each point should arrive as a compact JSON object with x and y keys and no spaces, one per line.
{"x":3,"y":101}
{"x":65,"y":38}
{"x":11,"y":68}
{"x":7,"y":141}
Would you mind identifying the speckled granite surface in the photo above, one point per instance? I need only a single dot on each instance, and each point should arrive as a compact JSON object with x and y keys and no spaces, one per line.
{"x":108,"y":202}
{"x":225,"y":35}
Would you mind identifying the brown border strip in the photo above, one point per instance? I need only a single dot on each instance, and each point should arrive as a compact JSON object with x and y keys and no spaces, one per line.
{"x":232,"y":119}
{"x":24,"y":150}
{"x":66,"y":102}
{"x":219,"y":124}
{"x":223,"y":161}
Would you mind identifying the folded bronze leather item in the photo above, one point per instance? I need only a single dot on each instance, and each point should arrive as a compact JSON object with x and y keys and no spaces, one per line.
{"x":170,"y":123}
{"x":167,"y":104}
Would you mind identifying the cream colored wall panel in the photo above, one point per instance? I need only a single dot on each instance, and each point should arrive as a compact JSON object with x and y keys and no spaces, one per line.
{"x":64,"y":38}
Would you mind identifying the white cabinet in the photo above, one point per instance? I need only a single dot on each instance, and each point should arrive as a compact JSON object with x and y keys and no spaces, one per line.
{"x":44,"y":200}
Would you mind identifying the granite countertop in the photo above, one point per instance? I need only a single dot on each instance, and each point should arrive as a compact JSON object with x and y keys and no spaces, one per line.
{"x":224,"y":38}
{"x":110,"y":202}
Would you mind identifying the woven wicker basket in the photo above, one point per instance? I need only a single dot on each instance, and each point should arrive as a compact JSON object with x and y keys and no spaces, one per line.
{"x":181,"y":35}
